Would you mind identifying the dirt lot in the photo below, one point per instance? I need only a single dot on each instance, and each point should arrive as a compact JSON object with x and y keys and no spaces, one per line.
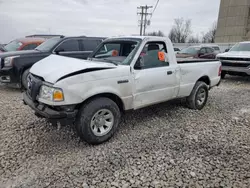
{"x":166,"y":145}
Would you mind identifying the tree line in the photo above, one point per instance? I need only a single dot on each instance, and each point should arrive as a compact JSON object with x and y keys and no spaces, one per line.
{"x":181,"y":32}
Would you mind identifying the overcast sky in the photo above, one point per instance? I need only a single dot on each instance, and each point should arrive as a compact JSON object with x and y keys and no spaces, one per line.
{"x":98,"y":17}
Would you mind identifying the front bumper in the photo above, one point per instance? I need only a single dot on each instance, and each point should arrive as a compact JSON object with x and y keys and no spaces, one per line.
{"x":44,"y":111}
{"x":8,"y":76}
{"x":236,"y":70}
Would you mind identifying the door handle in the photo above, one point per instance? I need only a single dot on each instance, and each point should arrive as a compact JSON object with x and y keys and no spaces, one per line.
{"x":170,"y":72}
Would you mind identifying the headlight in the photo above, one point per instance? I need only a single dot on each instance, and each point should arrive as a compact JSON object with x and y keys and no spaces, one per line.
{"x":51,"y":93}
{"x":8,"y":61}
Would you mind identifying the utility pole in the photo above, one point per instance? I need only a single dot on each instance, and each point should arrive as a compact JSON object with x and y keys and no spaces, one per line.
{"x":143,"y":21}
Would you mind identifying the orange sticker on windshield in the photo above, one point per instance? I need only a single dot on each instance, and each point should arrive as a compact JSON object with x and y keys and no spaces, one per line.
{"x":115,"y":53}
{"x":161,"y":56}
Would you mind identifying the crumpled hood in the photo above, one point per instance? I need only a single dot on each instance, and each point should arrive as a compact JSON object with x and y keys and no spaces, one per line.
{"x":54,"y":67}
{"x":235,"y":54}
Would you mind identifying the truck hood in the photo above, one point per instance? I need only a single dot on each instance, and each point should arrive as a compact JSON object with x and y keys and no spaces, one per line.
{"x":233,"y":54}
{"x":55,"y":67}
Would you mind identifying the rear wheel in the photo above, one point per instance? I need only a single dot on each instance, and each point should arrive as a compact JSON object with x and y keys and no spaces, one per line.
{"x":24,"y":78}
{"x":198,"y":97}
{"x":97,"y":120}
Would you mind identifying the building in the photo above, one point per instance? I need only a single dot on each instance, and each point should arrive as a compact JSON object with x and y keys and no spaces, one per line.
{"x":233,"y":21}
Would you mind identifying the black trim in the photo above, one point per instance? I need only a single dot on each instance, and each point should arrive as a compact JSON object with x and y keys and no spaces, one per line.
{"x":122,"y":81}
{"x":83,"y":71}
{"x":195,"y":60}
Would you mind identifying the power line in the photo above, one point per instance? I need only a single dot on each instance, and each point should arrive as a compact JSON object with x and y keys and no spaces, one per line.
{"x":155,"y":8}
{"x":156,"y":4}
{"x":143,"y":22}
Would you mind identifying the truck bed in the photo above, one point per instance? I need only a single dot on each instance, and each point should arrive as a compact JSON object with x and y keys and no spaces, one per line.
{"x":189,"y":60}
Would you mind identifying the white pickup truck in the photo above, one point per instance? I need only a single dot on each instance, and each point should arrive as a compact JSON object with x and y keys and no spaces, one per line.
{"x":237,"y":60}
{"x":125,"y":73}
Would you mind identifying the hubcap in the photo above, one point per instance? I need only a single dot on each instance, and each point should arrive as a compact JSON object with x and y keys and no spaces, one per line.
{"x":201,"y":96}
{"x":102,"y":122}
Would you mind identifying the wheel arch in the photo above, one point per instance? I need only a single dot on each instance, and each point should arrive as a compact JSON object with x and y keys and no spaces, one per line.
{"x":205,"y":79}
{"x":108,"y":95}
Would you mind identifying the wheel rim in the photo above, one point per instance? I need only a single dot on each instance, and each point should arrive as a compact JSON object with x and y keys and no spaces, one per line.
{"x":201,"y":96}
{"x":102,"y":122}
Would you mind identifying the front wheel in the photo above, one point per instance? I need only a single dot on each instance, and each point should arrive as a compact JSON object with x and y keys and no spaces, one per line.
{"x":97,"y":120}
{"x":25,"y":78}
{"x":198,"y":97}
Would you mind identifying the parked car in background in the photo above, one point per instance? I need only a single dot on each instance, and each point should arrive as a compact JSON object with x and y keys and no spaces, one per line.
{"x":176,"y":50}
{"x":15,"y":65}
{"x":237,"y":60}
{"x":215,"y":47}
{"x":125,"y":73}
{"x":202,"y":52}
{"x":22,"y":44}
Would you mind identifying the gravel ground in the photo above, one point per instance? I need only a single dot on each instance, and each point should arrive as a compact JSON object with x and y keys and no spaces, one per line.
{"x":166,"y":145}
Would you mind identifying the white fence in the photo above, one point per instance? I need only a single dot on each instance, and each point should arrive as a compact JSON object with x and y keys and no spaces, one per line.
{"x":223,"y":46}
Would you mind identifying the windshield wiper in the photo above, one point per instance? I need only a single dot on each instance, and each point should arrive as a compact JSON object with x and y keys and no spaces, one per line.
{"x":110,"y":61}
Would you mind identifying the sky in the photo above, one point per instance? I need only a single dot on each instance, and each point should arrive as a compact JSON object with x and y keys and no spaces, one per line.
{"x":102,"y":18}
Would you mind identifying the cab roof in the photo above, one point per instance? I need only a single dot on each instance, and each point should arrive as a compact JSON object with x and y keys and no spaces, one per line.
{"x":137,"y":37}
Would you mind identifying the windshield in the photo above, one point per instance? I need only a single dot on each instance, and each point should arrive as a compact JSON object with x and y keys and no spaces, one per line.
{"x":13,"y":46}
{"x":117,"y":51}
{"x":241,"y":47}
{"x":48,"y":44}
{"x":190,"y":50}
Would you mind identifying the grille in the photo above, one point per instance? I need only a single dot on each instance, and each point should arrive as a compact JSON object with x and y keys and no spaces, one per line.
{"x":235,"y":64}
{"x":234,"y":59}
{"x":34,"y":84}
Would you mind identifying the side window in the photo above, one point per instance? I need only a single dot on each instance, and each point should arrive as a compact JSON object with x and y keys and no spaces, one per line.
{"x":149,"y":55}
{"x":203,"y":50}
{"x":89,"y":45}
{"x":209,"y":50}
{"x":68,"y":46}
{"x":29,"y":47}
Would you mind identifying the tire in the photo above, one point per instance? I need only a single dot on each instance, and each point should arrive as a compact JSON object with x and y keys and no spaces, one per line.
{"x":24,"y":78}
{"x":92,"y":115}
{"x":223,"y":75}
{"x":198,"y":97}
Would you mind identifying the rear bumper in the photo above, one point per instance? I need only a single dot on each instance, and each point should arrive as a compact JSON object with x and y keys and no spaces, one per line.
{"x":236,"y":70}
{"x":44,"y":111}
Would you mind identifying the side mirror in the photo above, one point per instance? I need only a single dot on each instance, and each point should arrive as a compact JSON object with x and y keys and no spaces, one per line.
{"x":139,"y":63}
{"x":58,"y":50}
{"x":226,"y":50}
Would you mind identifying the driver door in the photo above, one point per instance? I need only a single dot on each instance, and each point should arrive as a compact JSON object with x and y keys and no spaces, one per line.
{"x":155,"y":81}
